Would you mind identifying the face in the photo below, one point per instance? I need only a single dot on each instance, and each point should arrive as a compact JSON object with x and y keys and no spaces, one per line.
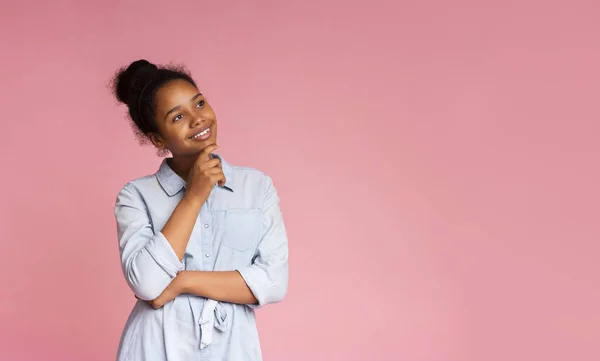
{"x":186,"y":122}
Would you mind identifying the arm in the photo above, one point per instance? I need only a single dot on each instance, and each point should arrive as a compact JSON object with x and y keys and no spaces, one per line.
{"x":227,"y":286}
{"x":180,"y":225}
{"x":267,"y":277}
{"x":262,"y":283}
{"x":148,"y":260}
{"x":203,"y":175}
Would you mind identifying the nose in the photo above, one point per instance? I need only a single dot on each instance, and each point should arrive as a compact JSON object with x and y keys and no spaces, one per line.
{"x":196,"y":121}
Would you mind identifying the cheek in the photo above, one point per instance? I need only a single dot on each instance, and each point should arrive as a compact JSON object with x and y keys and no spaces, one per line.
{"x":173,"y":137}
{"x":209,"y":112}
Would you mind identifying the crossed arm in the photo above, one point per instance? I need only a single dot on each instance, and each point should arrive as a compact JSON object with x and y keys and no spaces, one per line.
{"x":152,"y":262}
{"x":227,"y":286}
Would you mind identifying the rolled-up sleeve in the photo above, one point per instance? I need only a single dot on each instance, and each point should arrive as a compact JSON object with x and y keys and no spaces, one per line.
{"x":267,"y":276}
{"x":149,"y":262}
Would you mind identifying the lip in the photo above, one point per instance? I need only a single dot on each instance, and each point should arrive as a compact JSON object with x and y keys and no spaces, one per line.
{"x":204,"y":137}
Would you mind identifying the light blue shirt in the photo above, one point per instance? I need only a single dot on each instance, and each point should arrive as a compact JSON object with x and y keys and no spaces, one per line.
{"x":239,"y":227}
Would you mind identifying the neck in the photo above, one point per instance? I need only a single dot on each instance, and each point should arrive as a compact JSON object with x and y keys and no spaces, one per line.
{"x":181,"y":165}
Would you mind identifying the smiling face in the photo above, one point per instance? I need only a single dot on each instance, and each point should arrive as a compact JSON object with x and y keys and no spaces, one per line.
{"x":186,"y":122}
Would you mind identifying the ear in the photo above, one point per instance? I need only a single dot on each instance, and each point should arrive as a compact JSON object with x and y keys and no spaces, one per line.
{"x":158,"y":141}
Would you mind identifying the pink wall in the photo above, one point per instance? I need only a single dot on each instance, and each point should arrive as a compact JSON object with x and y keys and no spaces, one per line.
{"x":437,"y":163}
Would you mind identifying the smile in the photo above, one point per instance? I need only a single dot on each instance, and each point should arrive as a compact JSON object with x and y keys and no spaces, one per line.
{"x":203,"y":135}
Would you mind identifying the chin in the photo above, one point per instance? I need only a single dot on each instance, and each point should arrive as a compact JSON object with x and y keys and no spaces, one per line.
{"x":200,"y":146}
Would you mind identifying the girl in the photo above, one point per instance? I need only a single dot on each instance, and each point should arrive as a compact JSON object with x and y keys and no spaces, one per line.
{"x":202,"y":242}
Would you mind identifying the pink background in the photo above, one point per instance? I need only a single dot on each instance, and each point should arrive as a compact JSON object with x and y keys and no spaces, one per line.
{"x":437,"y":163}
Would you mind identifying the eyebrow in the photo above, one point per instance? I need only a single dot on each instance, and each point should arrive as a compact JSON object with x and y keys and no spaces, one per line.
{"x":179,"y":106}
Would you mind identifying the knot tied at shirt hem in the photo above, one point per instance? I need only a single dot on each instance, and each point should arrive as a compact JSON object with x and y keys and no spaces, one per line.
{"x":214,"y":315}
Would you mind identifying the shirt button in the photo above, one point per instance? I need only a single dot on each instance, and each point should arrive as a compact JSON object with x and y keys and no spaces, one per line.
{"x":206,"y":226}
{"x":207,"y":255}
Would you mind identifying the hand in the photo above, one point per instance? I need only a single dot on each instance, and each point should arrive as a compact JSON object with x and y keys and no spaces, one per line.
{"x":205,"y":173}
{"x":174,"y":289}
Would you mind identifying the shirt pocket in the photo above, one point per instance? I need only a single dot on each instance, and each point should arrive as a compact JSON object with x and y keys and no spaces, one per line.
{"x":242,"y":228}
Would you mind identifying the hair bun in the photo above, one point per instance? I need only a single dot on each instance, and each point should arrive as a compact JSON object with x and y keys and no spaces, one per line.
{"x":130,"y":81}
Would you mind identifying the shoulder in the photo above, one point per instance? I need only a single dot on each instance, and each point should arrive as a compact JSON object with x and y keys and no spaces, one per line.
{"x":136,"y":188}
{"x":249,"y":173}
{"x":249,"y":177}
{"x":255,"y":186}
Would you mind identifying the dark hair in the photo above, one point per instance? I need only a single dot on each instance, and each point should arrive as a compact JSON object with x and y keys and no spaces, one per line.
{"x":136,"y":87}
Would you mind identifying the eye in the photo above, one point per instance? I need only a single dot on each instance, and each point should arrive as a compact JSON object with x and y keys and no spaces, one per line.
{"x":200,"y":103}
{"x":178,"y":117}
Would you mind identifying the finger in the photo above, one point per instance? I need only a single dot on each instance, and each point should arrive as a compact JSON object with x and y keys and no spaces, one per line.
{"x":213,"y":171}
{"x":213,"y":163}
{"x":204,"y":155}
{"x":218,"y":178}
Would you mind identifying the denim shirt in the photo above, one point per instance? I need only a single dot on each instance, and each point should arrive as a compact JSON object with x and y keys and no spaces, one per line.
{"x":239,"y":227}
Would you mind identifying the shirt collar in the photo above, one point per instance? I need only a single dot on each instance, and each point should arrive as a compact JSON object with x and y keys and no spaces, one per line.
{"x":172,"y":183}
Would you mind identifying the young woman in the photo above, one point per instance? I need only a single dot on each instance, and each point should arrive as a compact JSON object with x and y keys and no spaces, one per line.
{"x":202,"y":242}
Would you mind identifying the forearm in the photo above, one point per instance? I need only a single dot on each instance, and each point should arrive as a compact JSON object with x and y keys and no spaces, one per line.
{"x":178,"y":228}
{"x":226,"y":286}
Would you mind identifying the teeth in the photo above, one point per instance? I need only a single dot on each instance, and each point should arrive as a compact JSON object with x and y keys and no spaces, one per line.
{"x":201,"y":134}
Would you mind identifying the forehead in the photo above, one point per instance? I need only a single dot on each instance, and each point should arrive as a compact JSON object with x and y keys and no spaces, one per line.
{"x":175,"y":92}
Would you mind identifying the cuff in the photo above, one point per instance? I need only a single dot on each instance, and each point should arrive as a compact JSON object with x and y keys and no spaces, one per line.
{"x":253,"y":281}
{"x":160,"y":249}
